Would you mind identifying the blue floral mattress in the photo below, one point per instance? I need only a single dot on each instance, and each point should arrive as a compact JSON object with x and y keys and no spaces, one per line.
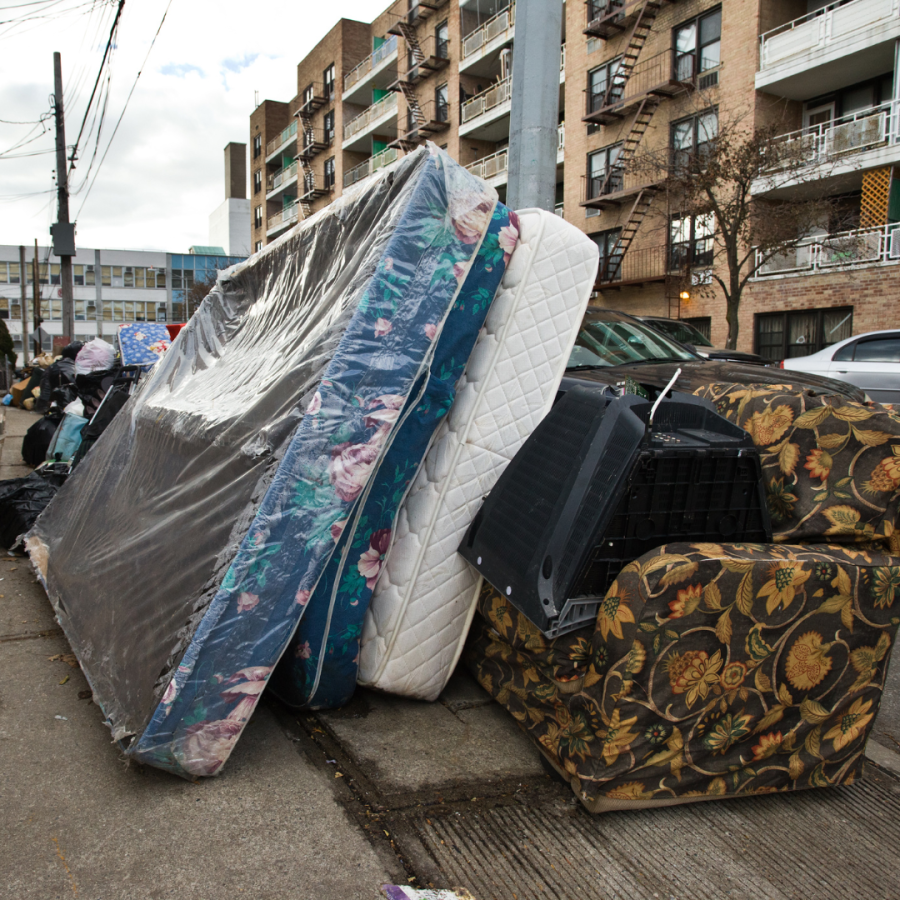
{"x":142,"y":344}
{"x":182,"y":553}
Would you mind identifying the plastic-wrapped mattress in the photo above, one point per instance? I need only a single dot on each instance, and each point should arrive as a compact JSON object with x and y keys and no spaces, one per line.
{"x":180,"y":554}
{"x":425,"y":597}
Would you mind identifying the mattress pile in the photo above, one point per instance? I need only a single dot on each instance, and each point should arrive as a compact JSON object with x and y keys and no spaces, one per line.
{"x":253,"y":479}
{"x":425,"y":598}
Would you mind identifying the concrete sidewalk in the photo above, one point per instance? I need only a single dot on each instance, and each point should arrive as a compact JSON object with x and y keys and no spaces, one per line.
{"x":332,"y":805}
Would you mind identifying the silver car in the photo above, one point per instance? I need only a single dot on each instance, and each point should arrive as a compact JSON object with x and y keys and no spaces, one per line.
{"x":870,"y":361}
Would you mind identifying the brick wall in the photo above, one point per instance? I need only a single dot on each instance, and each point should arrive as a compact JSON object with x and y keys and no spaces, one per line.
{"x":267,"y":120}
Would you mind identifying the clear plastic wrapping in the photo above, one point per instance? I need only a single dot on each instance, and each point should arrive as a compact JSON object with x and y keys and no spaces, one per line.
{"x":181,"y":553}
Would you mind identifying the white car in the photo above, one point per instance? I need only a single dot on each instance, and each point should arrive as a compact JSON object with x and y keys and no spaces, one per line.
{"x":870,"y":361}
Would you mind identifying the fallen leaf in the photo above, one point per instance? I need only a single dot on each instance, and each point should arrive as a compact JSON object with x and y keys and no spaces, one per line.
{"x":84,"y":695}
{"x":338,"y":774}
{"x":65,"y":680}
{"x":68,"y":658}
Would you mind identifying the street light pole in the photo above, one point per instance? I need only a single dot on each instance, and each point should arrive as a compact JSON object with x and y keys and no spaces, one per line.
{"x":534,"y":111}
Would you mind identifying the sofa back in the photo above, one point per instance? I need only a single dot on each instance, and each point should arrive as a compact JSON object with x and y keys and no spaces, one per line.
{"x":831,"y":466}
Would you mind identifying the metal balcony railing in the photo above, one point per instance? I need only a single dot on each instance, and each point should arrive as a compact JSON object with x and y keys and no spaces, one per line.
{"x":866,"y":129}
{"x":282,"y":176}
{"x":372,"y":61}
{"x":666,"y":73}
{"x":370,"y":166}
{"x":558,"y":209}
{"x":846,"y":249}
{"x":486,"y":100}
{"x":561,"y":137}
{"x":373,"y":113}
{"x":282,"y":138}
{"x":503,"y":22}
{"x":635,"y":267}
{"x":498,"y":163}
{"x":824,"y":28}
{"x":286,"y":217}
{"x":490,"y":166}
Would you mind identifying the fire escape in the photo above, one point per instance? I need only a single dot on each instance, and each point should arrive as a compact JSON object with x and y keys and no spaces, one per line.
{"x":308,"y":146}
{"x":634,"y":92}
{"x":422,"y":123}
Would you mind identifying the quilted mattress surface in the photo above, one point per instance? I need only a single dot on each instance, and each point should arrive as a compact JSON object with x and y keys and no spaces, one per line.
{"x":426,"y":593}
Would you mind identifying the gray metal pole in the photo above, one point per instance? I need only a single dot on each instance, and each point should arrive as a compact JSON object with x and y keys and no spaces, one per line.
{"x":62,"y":187}
{"x":534,"y":111}
{"x":98,"y":282}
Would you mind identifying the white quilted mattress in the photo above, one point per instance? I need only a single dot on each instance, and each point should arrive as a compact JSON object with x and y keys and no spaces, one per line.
{"x":425,"y":597}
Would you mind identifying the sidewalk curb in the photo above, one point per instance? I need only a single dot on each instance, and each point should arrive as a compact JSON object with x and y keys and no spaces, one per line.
{"x":884,"y":757}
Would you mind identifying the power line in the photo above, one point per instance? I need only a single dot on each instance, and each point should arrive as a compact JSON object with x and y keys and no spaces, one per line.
{"x":112,"y":34}
{"x":127,"y":99}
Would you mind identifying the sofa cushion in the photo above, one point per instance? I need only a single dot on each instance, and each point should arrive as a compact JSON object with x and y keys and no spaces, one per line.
{"x":831,"y":466}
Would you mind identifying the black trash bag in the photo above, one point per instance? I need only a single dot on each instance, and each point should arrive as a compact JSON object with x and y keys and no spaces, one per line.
{"x":70,"y":351}
{"x":37,"y":439}
{"x":115,"y":399}
{"x":22,"y":500}
{"x":64,"y":395}
{"x":61,"y":374}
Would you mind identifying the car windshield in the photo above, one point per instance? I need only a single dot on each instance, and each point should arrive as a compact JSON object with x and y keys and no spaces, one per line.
{"x":617,"y":341}
{"x":681,"y":331}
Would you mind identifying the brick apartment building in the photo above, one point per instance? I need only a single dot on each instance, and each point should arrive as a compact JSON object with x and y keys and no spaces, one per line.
{"x":637,"y":78}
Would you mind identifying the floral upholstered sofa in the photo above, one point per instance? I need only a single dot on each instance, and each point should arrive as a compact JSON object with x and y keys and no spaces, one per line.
{"x":718,"y":670}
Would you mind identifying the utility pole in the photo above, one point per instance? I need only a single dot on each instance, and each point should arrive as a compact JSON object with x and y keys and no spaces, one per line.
{"x":63,"y":231}
{"x":534,"y":111}
{"x":36,"y":293}
{"x":23,"y":281}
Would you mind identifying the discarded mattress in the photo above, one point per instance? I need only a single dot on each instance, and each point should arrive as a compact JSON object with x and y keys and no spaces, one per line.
{"x":180,"y":552}
{"x":143,"y":344}
{"x":319,"y":670}
{"x":425,"y":597}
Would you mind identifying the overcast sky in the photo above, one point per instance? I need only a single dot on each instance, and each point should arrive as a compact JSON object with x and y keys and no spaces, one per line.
{"x":164,"y":173}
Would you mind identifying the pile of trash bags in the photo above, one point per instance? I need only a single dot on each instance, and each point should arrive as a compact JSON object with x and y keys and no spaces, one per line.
{"x":79,"y":392}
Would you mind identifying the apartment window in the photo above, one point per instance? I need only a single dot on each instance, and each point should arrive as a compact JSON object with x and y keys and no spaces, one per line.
{"x":257,"y":146}
{"x":9,"y":273}
{"x":605,"y":85}
{"x":441,"y":104}
{"x":257,"y":181}
{"x":81,"y":275}
{"x":692,"y":140}
{"x":257,"y":217}
{"x":328,"y":126}
{"x":691,"y":241}
{"x":604,"y":176}
{"x":698,"y":45}
{"x":308,"y":94}
{"x":257,"y":247}
{"x":610,"y":259}
{"x":329,"y":174}
{"x":787,"y":335}
{"x":54,"y":273}
{"x":442,"y":41}
{"x":328,"y":81}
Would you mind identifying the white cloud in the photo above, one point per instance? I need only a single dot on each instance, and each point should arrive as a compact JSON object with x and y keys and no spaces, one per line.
{"x":164,"y":173}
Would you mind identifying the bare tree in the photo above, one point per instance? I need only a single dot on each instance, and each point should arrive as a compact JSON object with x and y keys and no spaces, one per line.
{"x":196,"y":294}
{"x":715,"y":183}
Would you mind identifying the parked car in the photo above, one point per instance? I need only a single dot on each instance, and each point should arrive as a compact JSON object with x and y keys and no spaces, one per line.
{"x":693,"y":339}
{"x":612,"y":346}
{"x":870,"y":361}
